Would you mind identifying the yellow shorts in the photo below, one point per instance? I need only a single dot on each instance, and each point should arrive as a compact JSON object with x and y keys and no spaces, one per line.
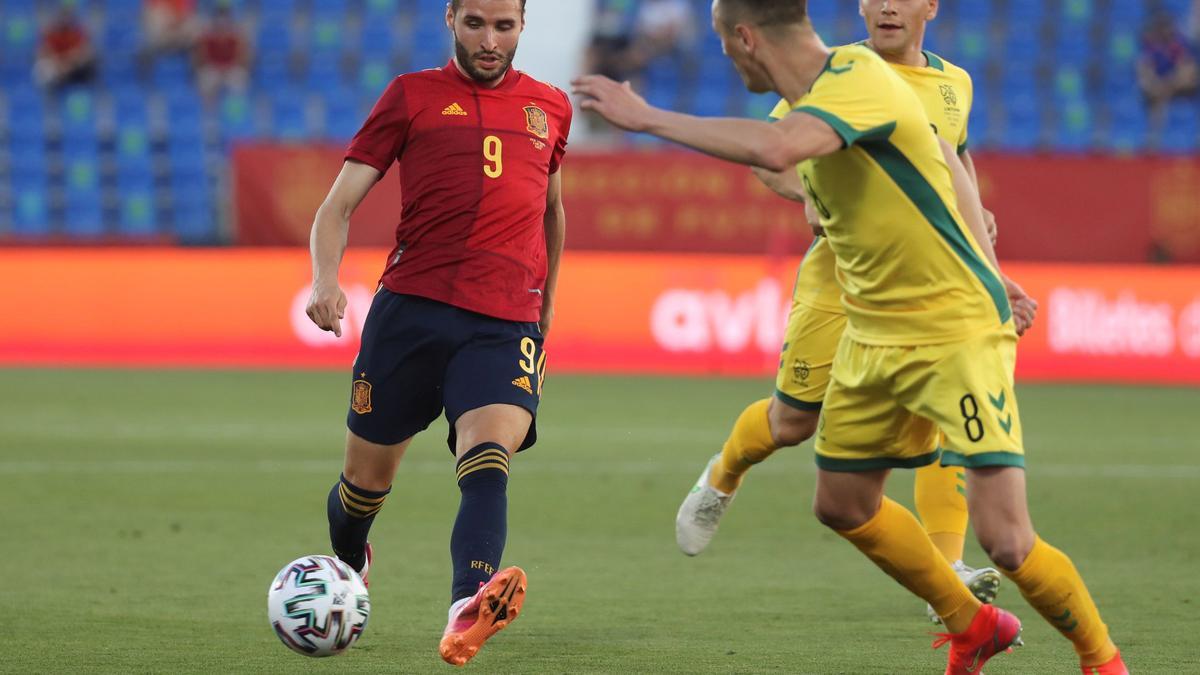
{"x":887,"y":406}
{"x":809,"y":345}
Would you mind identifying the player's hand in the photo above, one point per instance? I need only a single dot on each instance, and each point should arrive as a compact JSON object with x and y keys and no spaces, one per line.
{"x":989,"y":221}
{"x":327,"y":307}
{"x":547,"y":318}
{"x":616,"y":102}
{"x":1024,"y":308}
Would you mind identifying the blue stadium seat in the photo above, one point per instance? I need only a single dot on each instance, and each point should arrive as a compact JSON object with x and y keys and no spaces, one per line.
{"x":975,"y":13}
{"x":1074,"y":132}
{"x":326,"y":37}
{"x":137,"y":215}
{"x":272,"y":69}
{"x":237,"y":118}
{"x":31,"y":210}
{"x":377,"y":40}
{"x":1182,"y":133}
{"x":274,"y":36}
{"x":84,"y":214}
{"x":78,"y":113}
{"x":343,"y":114}
{"x":28,"y":155}
{"x":171,"y":70}
{"x":288,"y":117}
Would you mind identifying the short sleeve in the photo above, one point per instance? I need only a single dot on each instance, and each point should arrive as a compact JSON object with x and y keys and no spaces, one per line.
{"x":962,"y":140}
{"x":560,"y":144}
{"x":381,"y":139}
{"x":781,"y":110}
{"x":855,"y":97}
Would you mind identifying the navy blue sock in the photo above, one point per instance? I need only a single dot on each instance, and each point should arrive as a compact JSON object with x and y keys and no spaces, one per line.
{"x":351,"y":512}
{"x":482,"y":524}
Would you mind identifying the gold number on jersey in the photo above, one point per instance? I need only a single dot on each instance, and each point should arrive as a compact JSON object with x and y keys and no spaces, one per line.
{"x":541,"y":368}
{"x":529,"y":351}
{"x":493,"y":152}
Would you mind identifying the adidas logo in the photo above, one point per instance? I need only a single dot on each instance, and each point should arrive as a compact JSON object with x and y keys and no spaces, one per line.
{"x":524,"y":383}
{"x":454,"y":109}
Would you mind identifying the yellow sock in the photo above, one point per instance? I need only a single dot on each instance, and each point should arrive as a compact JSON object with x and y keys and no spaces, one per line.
{"x":1049,"y":581}
{"x":894,"y":540}
{"x":749,"y":443}
{"x":941,"y":500}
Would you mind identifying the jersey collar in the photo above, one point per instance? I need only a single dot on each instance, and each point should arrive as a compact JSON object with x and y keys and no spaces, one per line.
{"x":509,"y":80}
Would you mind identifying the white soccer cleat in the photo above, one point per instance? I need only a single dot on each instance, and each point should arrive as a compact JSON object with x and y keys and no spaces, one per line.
{"x":984,"y":584}
{"x":700,"y":513}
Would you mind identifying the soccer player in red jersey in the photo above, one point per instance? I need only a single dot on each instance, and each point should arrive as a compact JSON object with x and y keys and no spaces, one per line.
{"x":464,"y":300}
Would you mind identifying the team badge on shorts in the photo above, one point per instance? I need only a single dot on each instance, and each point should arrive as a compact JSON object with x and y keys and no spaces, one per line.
{"x":360,"y":400}
{"x":800,"y":371}
{"x":535,"y":121}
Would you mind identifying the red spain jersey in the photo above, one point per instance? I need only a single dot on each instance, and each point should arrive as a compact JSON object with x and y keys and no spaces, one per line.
{"x":474,"y":167}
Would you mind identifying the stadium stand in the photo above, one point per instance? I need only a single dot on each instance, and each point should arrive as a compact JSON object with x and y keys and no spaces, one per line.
{"x":137,"y":155}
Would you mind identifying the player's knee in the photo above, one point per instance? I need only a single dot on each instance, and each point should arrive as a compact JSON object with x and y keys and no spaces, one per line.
{"x":839,"y":516}
{"x":1008,"y":550}
{"x":790,"y":426}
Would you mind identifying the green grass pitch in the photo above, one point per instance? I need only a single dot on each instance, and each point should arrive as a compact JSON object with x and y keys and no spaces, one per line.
{"x":144,"y":514}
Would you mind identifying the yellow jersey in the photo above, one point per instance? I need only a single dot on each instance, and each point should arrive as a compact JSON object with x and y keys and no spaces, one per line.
{"x":947,"y":93}
{"x":909,"y":269}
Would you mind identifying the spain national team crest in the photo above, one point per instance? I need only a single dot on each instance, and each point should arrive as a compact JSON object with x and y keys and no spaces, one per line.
{"x":948,"y":94}
{"x":360,"y":399}
{"x":536,"y":122}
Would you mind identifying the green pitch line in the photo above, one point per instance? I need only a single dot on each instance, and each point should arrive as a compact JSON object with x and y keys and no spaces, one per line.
{"x":144,"y":514}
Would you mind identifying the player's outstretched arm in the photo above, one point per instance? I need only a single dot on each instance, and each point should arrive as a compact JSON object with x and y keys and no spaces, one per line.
{"x":989,"y":218}
{"x":327,"y":243}
{"x":1024,"y":307}
{"x":555,"y":224}
{"x":778,"y":147}
{"x":784,"y":183}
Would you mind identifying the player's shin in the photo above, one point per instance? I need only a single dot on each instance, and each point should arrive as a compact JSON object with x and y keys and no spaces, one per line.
{"x":895,"y":541}
{"x":1051,"y":584}
{"x":351,"y":511}
{"x":481,"y":528}
{"x":749,"y":443}
{"x":940,"y":498}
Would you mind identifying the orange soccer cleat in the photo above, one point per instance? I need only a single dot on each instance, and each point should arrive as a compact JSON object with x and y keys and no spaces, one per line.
{"x":991,"y":631}
{"x":1114,"y":666}
{"x":473,"y":620}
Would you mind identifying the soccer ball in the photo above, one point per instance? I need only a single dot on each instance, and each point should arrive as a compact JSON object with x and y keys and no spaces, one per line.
{"x":318,"y":605}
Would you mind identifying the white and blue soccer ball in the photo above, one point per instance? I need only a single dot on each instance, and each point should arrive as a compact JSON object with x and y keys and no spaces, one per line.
{"x":318,"y":606}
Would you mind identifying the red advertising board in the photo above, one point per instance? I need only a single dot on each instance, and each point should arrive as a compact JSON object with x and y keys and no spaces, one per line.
{"x":1060,"y":209}
{"x":617,"y":313}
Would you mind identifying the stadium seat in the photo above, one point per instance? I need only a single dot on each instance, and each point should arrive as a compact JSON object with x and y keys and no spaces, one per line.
{"x":84,"y":214}
{"x":289,"y":120}
{"x":137,"y":215}
{"x":30,"y":206}
{"x":237,"y":118}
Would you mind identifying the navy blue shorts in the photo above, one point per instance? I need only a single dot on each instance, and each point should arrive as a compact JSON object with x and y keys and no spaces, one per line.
{"x":419,"y":356}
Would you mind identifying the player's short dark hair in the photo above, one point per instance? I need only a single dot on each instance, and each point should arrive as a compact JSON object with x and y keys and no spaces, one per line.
{"x":765,"y":13}
{"x":456,"y":5}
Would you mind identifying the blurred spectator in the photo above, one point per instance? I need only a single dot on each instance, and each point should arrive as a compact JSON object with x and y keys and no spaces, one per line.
{"x":1193,"y":26}
{"x":663,"y":27}
{"x":1166,"y":69}
{"x":221,"y":55}
{"x":65,"y":55}
{"x":608,"y":52}
{"x":167,"y":26}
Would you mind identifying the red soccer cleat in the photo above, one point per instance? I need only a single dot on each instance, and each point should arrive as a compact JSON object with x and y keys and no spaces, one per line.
{"x":991,"y":631}
{"x":1114,"y":666}
{"x":481,"y":616}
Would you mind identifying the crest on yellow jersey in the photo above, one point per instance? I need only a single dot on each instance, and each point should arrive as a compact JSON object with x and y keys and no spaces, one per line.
{"x":536,"y":122}
{"x":948,"y":94}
